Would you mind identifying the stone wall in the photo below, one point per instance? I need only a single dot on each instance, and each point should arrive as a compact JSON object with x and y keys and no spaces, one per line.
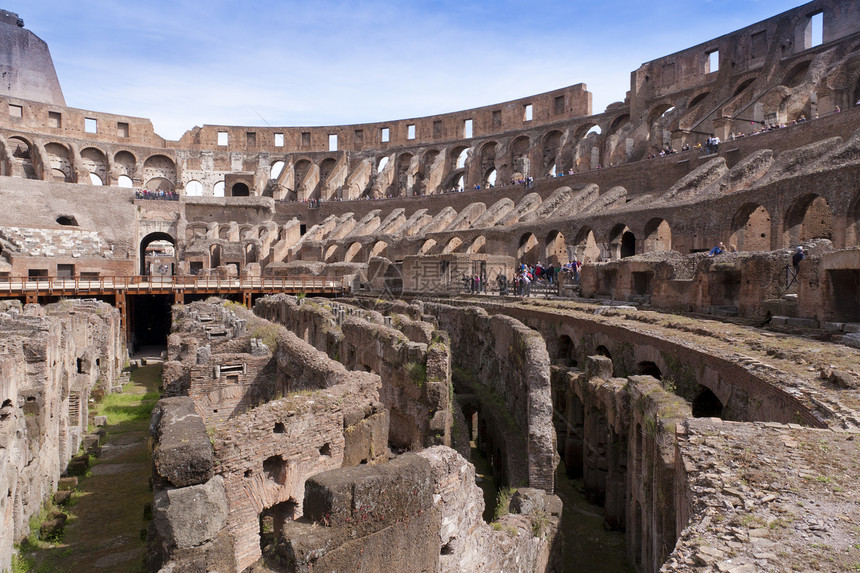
{"x":51,"y":358}
{"x":232,"y":449}
{"x":420,"y":512}
{"x":508,"y":375}
{"x":410,"y":356}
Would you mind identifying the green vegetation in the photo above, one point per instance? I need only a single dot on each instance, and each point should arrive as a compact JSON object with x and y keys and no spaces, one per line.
{"x":127,"y":406}
{"x":417,"y":372}
{"x":267,"y":332}
{"x":503,"y":502}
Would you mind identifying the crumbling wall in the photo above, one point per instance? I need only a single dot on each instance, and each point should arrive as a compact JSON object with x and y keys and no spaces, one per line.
{"x":214,"y":476}
{"x":511,"y":381}
{"x":51,"y":359}
{"x":410,"y":356}
{"x":420,"y":512}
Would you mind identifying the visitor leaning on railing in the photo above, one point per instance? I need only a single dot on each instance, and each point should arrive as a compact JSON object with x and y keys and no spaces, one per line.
{"x":160,"y":194}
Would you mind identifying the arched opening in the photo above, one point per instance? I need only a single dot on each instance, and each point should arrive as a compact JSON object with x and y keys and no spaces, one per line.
{"x":751,"y":228}
{"x":659,"y":111}
{"x":427,"y":247}
{"x":658,"y":236}
{"x":796,"y":75}
{"x":218,"y":189}
{"x":124,"y":181}
{"x":622,"y":242}
{"x":595,"y":129}
{"x":707,"y":405}
{"x":379,"y":249}
{"x":160,"y":167}
{"x":380,"y":165}
{"x":214,"y":256}
{"x":67,"y":221}
{"x":452,"y":245}
{"x":742,"y":86}
{"x":156,"y":250}
{"x":272,"y":521}
{"x":240,"y":190}
{"x":331,"y":254}
{"x":59,"y":164}
{"x":194,"y":188}
{"x":490,"y":179}
{"x":527,"y":252}
{"x":585,"y":246}
{"x":566,"y":352}
{"x":95,"y":162}
{"x":477,"y":245}
{"x":157,"y":184}
{"x":809,"y":217}
{"x":123,"y":165}
{"x":556,"y":249}
{"x":698,"y":99}
{"x":21,"y":158}
{"x":551,"y":145}
{"x":353,"y":253}
{"x":276,"y":169}
{"x":646,"y":368}
{"x":618,"y":122}
{"x":602,"y":351}
{"x":520,"y":156}
{"x":461,"y":159}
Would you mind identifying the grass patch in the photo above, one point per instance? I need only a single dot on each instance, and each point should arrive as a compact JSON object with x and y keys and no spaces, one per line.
{"x":503,"y":502}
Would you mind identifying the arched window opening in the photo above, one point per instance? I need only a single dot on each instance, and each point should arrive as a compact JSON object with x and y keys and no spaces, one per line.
{"x":96,"y":180}
{"x":707,"y":405}
{"x":240,"y":190}
{"x":67,"y":220}
{"x":646,"y":368}
{"x":157,"y":254}
{"x":194,"y":189}
{"x":124,"y":181}
{"x":595,"y":129}
{"x":218,"y":189}
{"x":461,"y":159}
{"x":381,"y":165}
{"x":603,"y":351}
{"x":277,"y":168}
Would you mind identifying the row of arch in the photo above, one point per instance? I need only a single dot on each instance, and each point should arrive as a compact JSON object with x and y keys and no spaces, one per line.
{"x":751,"y":229}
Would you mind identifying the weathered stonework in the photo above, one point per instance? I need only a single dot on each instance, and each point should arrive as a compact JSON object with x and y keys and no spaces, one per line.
{"x":51,"y":359}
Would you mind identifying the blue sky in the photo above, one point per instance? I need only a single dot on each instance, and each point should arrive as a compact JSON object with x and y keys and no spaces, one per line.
{"x":284,"y":63}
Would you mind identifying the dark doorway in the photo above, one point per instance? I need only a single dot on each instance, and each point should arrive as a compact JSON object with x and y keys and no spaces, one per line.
{"x":240,"y":190}
{"x":151,"y":319}
{"x":707,"y":405}
{"x":628,"y":244}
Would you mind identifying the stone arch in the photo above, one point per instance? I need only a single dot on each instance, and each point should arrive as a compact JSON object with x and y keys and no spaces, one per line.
{"x":808,"y":217}
{"x":551,"y":145}
{"x":327,"y":166}
{"x":452,"y":245}
{"x":565,"y":351}
{"x":459,"y":156}
{"x":124,"y":163}
{"x":659,"y":111}
{"x":218,"y":189}
{"x":453,"y":179}
{"x":697,"y":99}
{"x":488,"y":160}
{"x":751,"y":226}
{"x":215,"y":251}
{"x":478,"y":245}
{"x":618,"y":122}
{"x":403,"y":178}
{"x":333,"y":254}
{"x":795,"y":76}
{"x":527,"y":250}
{"x":193,"y":188}
{"x":379,"y":249}
{"x":300,"y":172}
{"x":706,"y":404}
{"x":158,"y":184}
{"x":240,"y":189}
{"x":146,"y":241}
{"x":275,"y":169}
{"x":585,"y":247}
{"x":622,"y":242}
{"x":743,"y":85}
{"x":427,"y":247}
{"x":648,"y":368}
{"x":556,"y":249}
{"x":520,"y":156}
{"x":20,"y":155}
{"x":353,"y":253}
{"x":160,"y":166}
{"x":59,"y":163}
{"x":658,"y":236}
{"x":95,"y":162}
{"x":852,"y":231}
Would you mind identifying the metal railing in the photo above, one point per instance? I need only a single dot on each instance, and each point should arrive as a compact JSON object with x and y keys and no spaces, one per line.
{"x":14,"y":286}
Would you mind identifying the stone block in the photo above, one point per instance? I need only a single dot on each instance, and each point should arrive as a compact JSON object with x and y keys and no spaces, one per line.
{"x":852,"y":340}
{"x":67,"y":484}
{"x":803,"y":322}
{"x":62,"y":497}
{"x":183,"y":454}
{"x":190,"y":516}
{"x":100,"y":421}
{"x":778,"y":320}
{"x":833,"y":326}
{"x":851,"y":327}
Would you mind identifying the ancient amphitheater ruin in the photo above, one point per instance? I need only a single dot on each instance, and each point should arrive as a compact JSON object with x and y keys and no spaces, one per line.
{"x":328,"y":382}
